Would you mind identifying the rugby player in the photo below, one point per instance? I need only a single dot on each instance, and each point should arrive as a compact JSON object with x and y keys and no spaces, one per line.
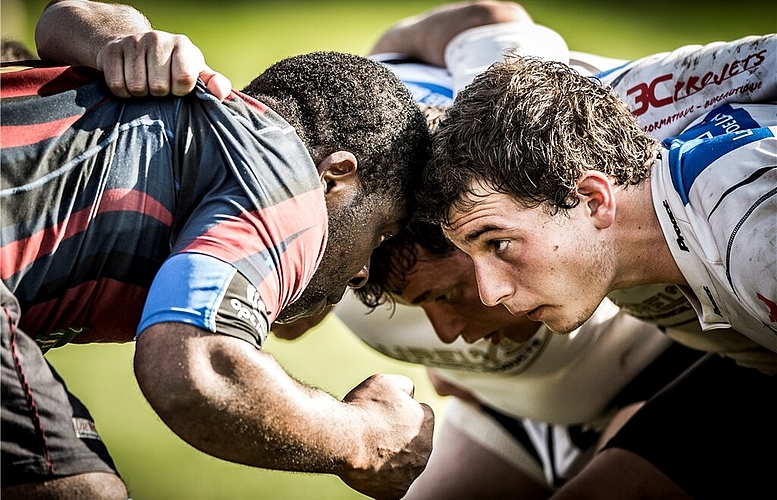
{"x":532,"y":383}
{"x":681,"y":92}
{"x":559,"y":381}
{"x":194,"y":224}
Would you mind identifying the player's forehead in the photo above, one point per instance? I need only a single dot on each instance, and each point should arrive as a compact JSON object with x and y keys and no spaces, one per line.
{"x":482,"y":210}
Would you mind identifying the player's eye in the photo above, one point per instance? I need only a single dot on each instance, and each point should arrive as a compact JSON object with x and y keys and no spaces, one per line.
{"x":498,"y":246}
{"x":446,"y":296}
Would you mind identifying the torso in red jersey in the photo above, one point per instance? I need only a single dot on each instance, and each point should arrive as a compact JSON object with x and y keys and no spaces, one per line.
{"x":99,"y":193}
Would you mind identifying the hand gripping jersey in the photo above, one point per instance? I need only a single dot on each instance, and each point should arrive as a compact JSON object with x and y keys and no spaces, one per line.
{"x":715,"y":193}
{"x":214,"y":211}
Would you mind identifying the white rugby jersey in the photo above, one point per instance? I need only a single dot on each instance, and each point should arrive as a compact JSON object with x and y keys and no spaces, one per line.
{"x":715,"y":193}
{"x":560,"y":379}
{"x":667,"y":91}
{"x":569,"y":379}
{"x":572,"y":378}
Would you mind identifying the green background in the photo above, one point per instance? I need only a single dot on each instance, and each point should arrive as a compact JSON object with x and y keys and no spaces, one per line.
{"x":240,"y":39}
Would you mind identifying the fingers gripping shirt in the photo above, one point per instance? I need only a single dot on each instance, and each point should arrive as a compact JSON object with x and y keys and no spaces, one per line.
{"x":101,"y":194}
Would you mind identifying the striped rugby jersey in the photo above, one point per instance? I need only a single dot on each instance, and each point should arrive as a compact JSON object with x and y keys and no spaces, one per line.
{"x":217,"y":204}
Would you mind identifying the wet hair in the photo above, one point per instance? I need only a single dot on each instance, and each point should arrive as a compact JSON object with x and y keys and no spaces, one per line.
{"x":338,"y":101}
{"x":529,"y":128}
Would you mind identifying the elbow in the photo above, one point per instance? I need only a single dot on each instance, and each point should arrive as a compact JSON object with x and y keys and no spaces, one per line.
{"x":167,"y":383}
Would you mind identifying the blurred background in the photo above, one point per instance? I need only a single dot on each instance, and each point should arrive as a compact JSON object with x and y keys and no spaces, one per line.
{"x":241,"y":38}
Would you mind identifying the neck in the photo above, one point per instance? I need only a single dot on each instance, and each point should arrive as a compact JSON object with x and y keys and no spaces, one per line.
{"x":645,"y":255}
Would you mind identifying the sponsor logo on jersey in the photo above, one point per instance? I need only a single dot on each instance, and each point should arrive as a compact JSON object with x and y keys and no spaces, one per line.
{"x":715,"y":307}
{"x":664,"y":90}
{"x":666,"y":307}
{"x":680,"y":240}
{"x":771,"y":306}
{"x":507,"y":356}
{"x":251,"y":310}
{"x":58,"y":338}
{"x":85,"y":429}
{"x":242,"y":313}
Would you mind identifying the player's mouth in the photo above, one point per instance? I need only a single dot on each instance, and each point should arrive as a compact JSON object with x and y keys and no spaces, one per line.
{"x":522,"y":312}
{"x":536,"y":313}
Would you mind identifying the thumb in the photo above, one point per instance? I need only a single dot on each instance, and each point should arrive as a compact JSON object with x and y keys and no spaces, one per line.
{"x":401,"y":382}
{"x":218,"y":85}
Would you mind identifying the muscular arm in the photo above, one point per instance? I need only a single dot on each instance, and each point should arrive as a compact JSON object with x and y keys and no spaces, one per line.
{"x":74,"y":31}
{"x":118,"y":40}
{"x":235,"y":402}
{"x":425,"y":36}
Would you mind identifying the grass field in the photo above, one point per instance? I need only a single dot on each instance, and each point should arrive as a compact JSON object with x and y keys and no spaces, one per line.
{"x":241,"y":38}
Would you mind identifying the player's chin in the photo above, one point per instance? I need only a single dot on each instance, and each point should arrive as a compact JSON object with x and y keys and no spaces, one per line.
{"x":297,"y":312}
{"x":313,"y":310}
{"x":562,"y":325}
{"x":335,"y":297}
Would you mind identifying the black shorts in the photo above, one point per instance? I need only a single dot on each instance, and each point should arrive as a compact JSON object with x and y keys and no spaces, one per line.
{"x":46,"y":431}
{"x":579,"y":440}
{"x":712,"y":431}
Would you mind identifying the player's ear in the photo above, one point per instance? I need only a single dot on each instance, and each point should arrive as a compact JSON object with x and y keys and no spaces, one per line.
{"x":338,"y":171}
{"x":597,"y":197}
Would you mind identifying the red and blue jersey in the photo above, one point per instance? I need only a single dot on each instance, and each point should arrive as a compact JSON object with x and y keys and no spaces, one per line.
{"x":121,"y":213}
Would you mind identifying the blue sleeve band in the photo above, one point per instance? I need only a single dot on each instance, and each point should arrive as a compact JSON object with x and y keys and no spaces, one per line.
{"x":188,"y":288}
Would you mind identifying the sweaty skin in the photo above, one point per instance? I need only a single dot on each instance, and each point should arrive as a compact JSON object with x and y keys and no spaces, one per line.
{"x":519,"y":252}
{"x":444,"y":287}
{"x":232,"y":401}
{"x":221,"y":394}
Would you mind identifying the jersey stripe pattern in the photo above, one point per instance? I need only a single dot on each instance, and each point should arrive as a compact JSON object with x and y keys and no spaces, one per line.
{"x":99,"y":192}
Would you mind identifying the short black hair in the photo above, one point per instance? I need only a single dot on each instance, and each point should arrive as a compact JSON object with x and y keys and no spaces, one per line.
{"x":339,"y":101}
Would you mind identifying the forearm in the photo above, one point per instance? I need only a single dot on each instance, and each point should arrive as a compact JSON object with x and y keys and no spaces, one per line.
{"x":228,"y":399}
{"x":74,"y":31}
{"x":425,"y":36}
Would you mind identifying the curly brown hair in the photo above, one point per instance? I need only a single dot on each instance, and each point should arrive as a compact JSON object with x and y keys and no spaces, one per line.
{"x":529,"y":128}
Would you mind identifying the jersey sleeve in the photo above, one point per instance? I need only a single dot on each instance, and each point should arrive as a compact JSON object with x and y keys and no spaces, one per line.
{"x":668,"y":91}
{"x":250,"y":224}
{"x":208,"y":293}
{"x":718,"y":215}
